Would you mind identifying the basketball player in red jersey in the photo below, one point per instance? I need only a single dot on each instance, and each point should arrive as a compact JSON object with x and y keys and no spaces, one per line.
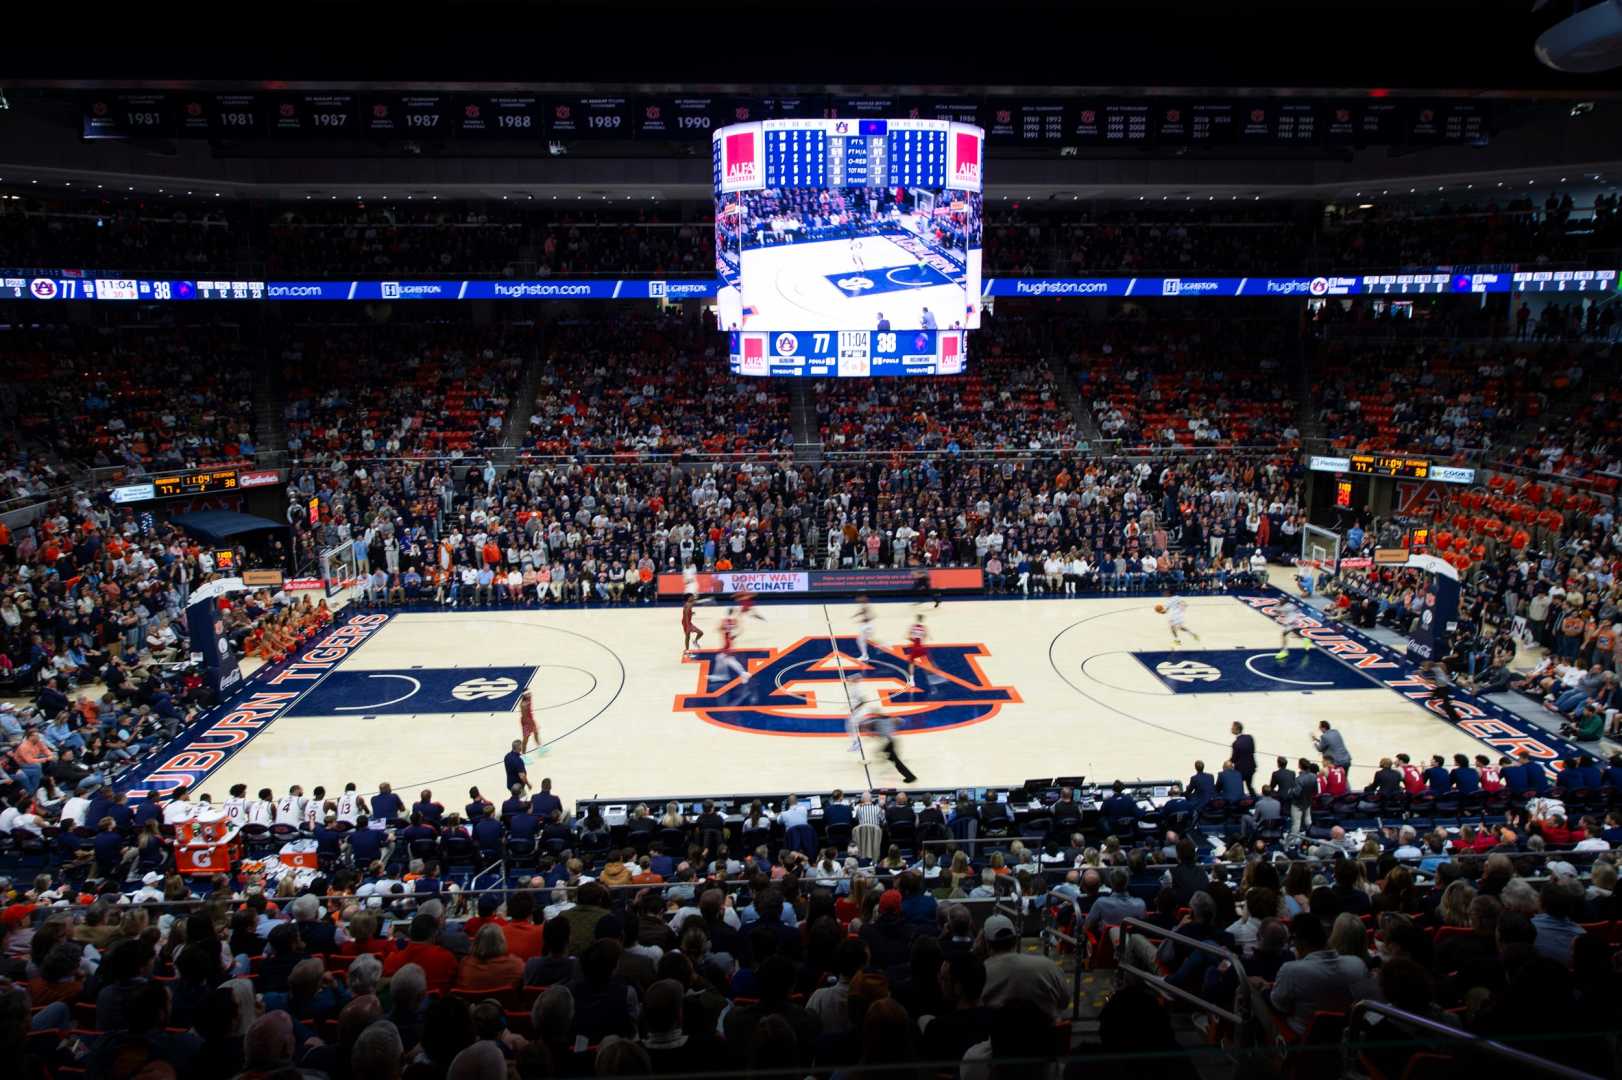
{"x":915,"y":652}
{"x":690,"y":633}
{"x":746,"y":606}
{"x":726,"y":660}
{"x":526,"y":722}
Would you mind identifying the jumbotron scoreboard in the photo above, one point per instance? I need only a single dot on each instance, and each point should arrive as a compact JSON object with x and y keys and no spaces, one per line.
{"x":848,"y":247}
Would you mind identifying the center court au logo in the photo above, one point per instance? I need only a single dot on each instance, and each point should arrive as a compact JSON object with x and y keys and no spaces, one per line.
{"x":1187,"y":671}
{"x":855,"y":284}
{"x":806,"y":688}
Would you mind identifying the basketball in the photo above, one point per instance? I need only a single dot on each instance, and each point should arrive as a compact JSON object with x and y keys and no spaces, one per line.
{"x":1160,"y":609}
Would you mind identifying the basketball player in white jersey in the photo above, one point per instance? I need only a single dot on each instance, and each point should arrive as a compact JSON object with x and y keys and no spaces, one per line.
{"x":726,"y":660}
{"x":350,"y":805}
{"x":315,"y":808}
{"x":236,"y":807}
{"x":290,"y":807}
{"x":262,"y":811}
{"x":1177,"y":618}
{"x":856,"y":254}
{"x":864,"y":627}
{"x":1293,"y":620}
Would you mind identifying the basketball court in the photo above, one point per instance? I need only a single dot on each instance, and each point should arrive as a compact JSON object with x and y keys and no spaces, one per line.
{"x":1014,"y":689}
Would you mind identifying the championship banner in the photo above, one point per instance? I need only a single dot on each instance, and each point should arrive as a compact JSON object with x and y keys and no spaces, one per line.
{"x":824,"y":581}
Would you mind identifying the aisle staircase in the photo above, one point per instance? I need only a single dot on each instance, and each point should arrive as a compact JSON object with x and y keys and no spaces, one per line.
{"x":1070,"y":395}
{"x":802,"y":406}
{"x":270,"y":395}
{"x":523,"y":403}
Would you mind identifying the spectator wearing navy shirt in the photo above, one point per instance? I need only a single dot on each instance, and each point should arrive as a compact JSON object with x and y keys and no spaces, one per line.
{"x":487,"y":832}
{"x":108,"y":845}
{"x":149,"y":810}
{"x":476,"y":804}
{"x":836,"y":811}
{"x":1590,"y":776}
{"x":328,"y":840}
{"x":419,"y":829}
{"x":1120,"y":806}
{"x":517,"y":776}
{"x":543,"y":802}
{"x":556,"y":830}
{"x":429,"y":882}
{"x":386,"y":806}
{"x":514,"y":803}
{"x":523,"y":825}
{"x":1519,"y":778}
{"x":430,"y":810}
{"x":1437,"y":778}
{"x":1465,"y":777}
{"x":365,"y":842}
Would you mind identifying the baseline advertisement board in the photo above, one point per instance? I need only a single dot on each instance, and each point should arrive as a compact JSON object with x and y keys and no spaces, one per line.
{"x":811,"y":582}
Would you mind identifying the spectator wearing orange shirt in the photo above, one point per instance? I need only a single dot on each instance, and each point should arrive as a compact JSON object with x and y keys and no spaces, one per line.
{"x":32,"y":755}
{"x":438,"y":963}
{"x":489,"y":967}
{"x":523,"y":933}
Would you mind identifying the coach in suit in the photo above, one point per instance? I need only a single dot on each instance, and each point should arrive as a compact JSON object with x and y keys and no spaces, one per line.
{"x":1331,"y":745}
{"x":1230,"y":785}
{"x":1201,"y":788}
{"x":1243,"y":753}
{"x":1283,"y":780}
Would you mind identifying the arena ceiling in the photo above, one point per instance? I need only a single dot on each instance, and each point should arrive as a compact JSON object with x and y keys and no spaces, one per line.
{"x":1546,"y":125}
{"x":1453,"y":46}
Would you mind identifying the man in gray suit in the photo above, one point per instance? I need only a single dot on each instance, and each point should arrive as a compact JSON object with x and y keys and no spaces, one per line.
{"x":1266,"y":809}
{"x":1331,"y":745}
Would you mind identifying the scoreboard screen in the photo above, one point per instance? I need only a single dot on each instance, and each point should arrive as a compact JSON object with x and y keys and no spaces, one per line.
{"x":848,"y":223}
{"x":850,"y":354}
{"x":1398,"y":466}
{"x":201,"y":482}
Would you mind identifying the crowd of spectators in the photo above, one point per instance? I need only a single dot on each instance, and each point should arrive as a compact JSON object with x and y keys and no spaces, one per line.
{"x":576,"y":237}
{"x":149,"y":235}
{"x":399,"y":390}
{"x":756,"y":936}
{"x":140,"y":397}
{"x":1169,"y":386}
{"x":1438,"y":398}
{"x":94,"y":644}
{"x":650,"y":385}
{"x":1007,"y":400}
{"x":1540,"y":567}
{"x":1048,"y":525}
{"x":488,"y":239}
{"x":1449,"y":233}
